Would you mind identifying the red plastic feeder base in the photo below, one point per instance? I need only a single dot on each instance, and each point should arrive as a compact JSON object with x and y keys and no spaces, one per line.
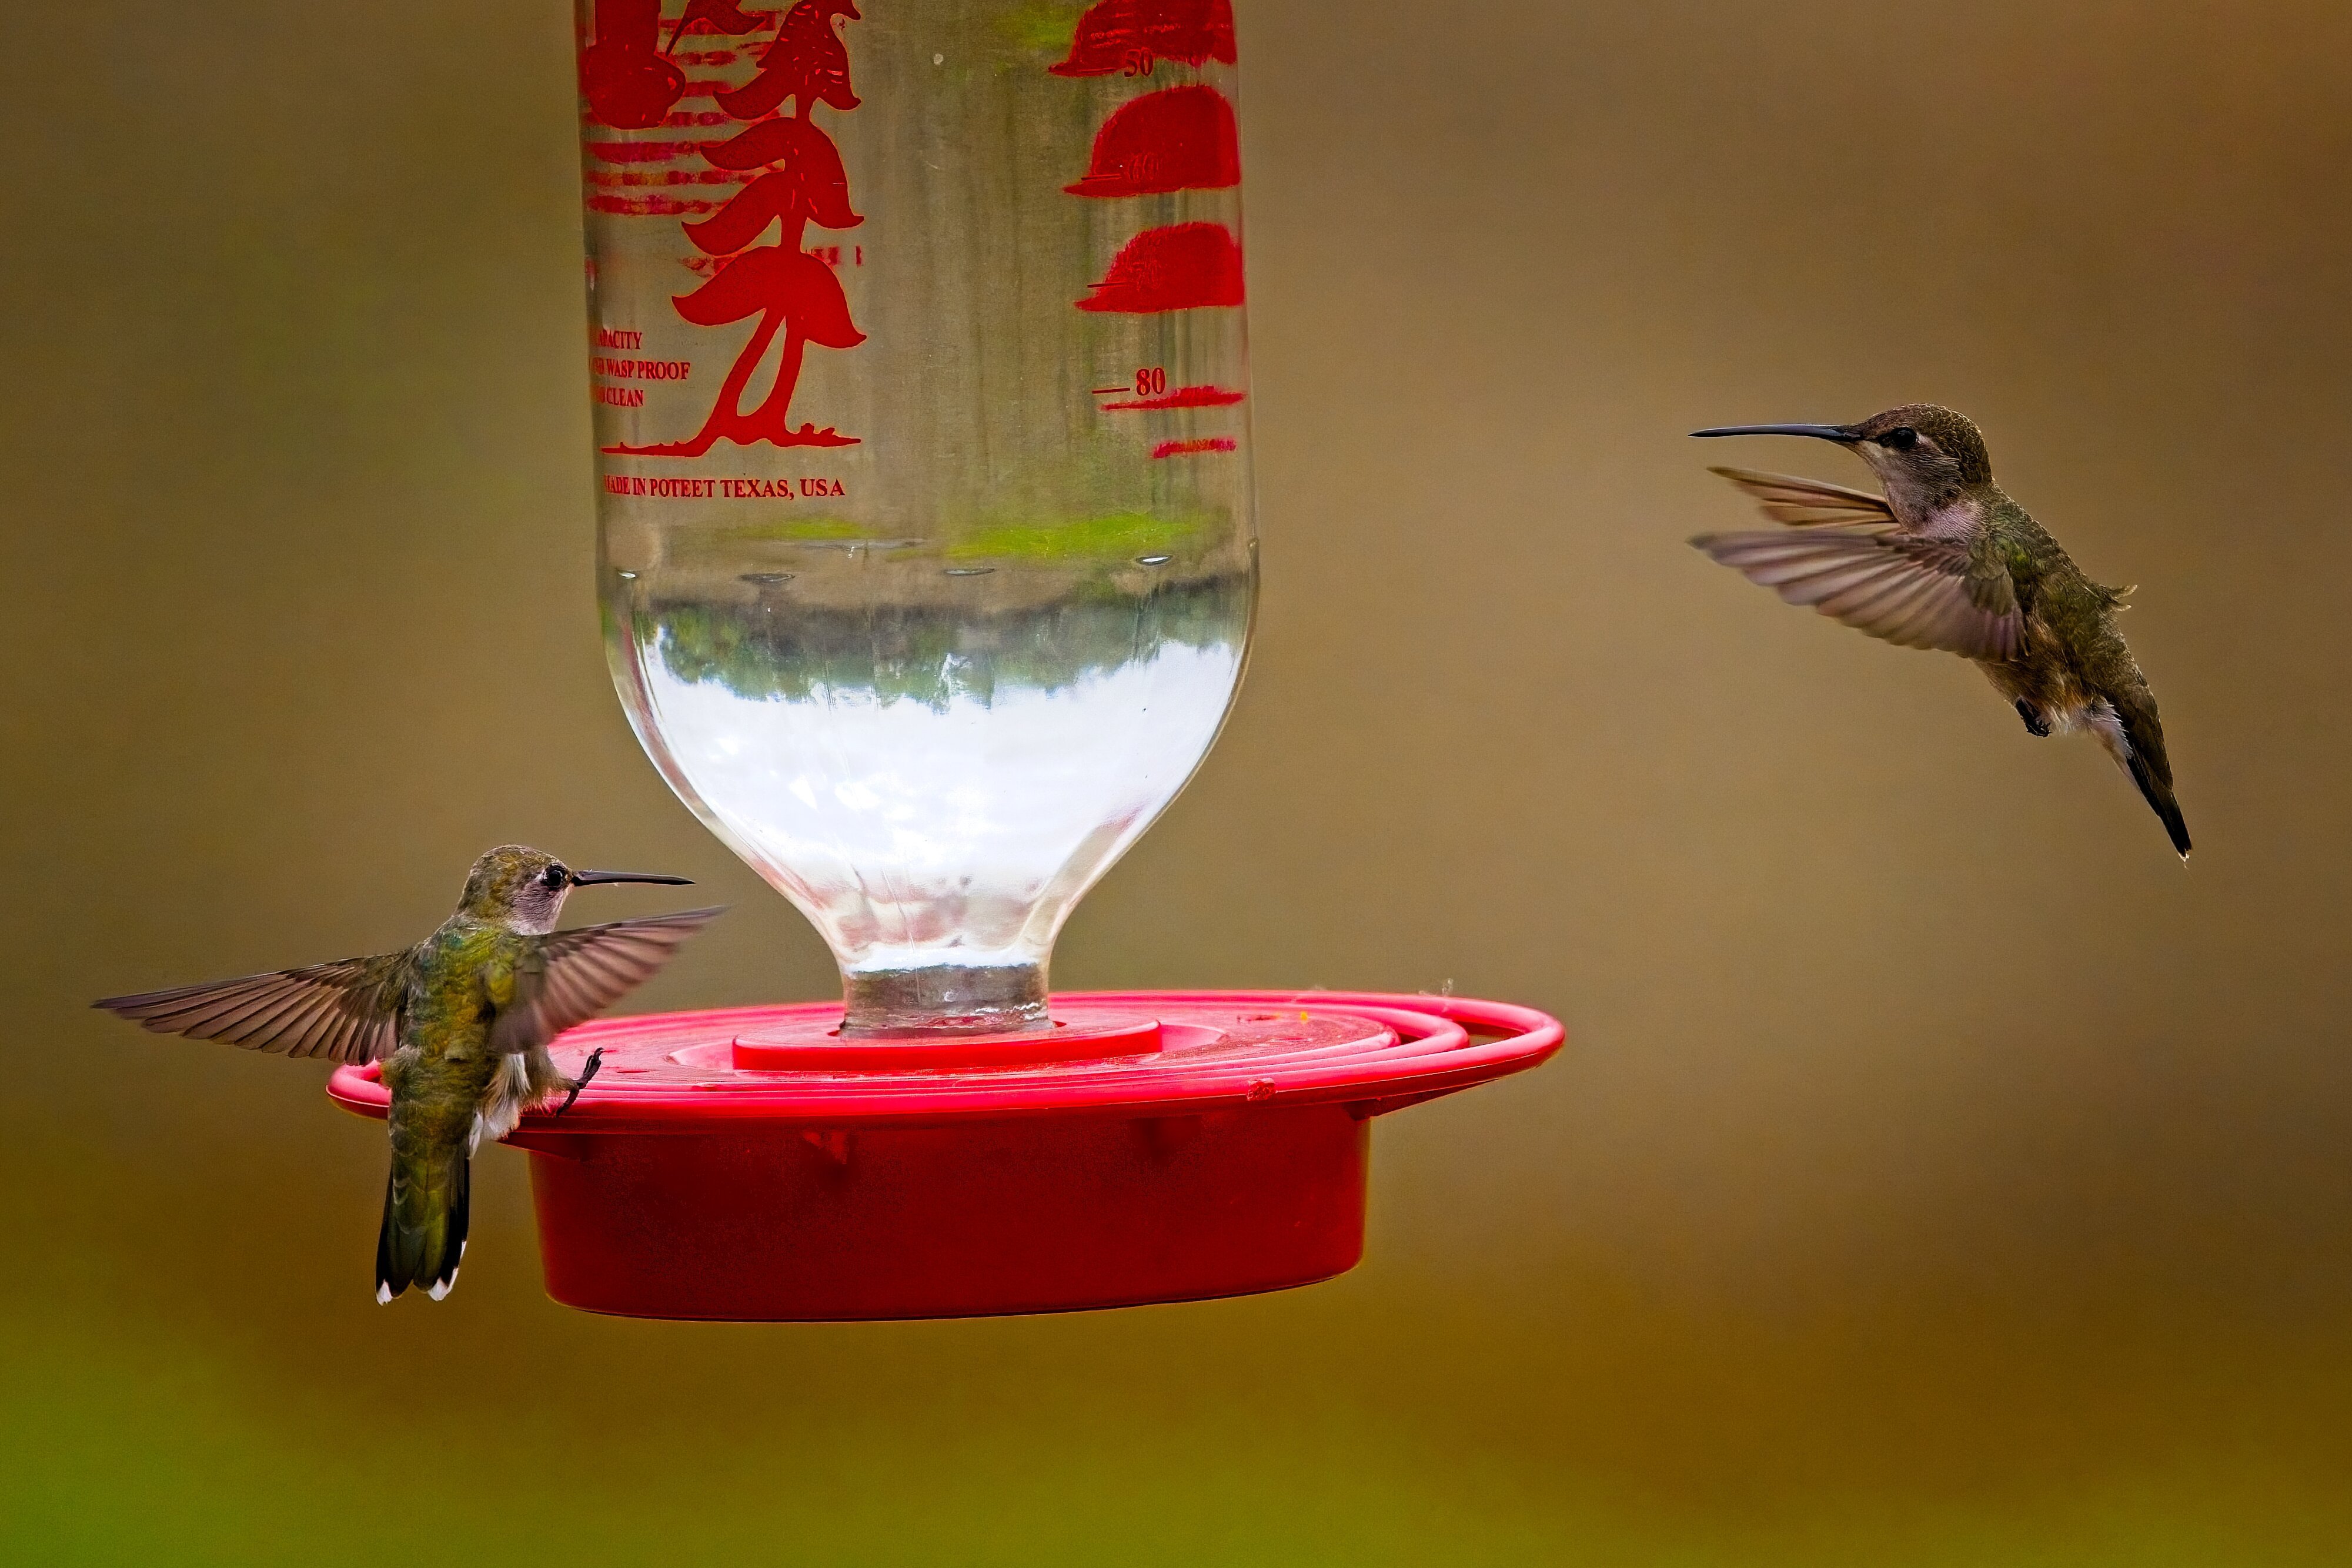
{"x":1152,"y":1146}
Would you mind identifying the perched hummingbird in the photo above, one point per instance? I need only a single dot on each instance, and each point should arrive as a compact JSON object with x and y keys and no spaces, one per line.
{"x":461,"y":1023}
{"x":1946,"y":559}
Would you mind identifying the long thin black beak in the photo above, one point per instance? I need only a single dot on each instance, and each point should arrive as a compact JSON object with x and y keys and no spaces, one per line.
{"x":1837,"y":433}
{"x":590,"y":878}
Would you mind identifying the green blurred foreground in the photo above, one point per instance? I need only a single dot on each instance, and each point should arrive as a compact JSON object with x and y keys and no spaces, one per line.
{"x":156,"y":1414}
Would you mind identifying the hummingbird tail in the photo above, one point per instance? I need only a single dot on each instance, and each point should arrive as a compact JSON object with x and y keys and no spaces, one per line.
{"x":2158,"y":795}
{"x":2135,"y":738}
{"x":424,"y":1218}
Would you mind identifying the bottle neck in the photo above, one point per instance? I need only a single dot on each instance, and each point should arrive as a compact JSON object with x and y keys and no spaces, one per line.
{"x":945,"y":999}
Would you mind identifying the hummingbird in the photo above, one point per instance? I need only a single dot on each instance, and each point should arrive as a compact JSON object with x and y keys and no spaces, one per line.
{"x":1945,"y":559}
{"x":461,"y":1023}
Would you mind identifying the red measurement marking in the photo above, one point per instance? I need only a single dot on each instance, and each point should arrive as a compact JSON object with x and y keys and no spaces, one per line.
{"x":1183,"y":266}
{"x":830,"y":254}
{"x":1182,"y":397}
{"x":716,"y":16}
{"x":650,"y":206}
{"x":642,"y":151}
{"x":1180,"y":139}
{"x":629,"y":84}
{"x":1126,"y":36}
{"x":807,"y":61}
{"x":630,"y":179}
{"x":1193,"y":448}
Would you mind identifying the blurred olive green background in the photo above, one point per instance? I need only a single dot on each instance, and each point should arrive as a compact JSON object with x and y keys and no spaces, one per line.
{"x":1938,"y":1172}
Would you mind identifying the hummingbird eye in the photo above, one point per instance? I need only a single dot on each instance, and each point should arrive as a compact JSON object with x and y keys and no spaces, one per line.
{"x":553,"y":877}
{"x":1902,"y":438}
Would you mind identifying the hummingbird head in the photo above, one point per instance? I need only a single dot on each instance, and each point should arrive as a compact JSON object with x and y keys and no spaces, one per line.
{"x":525,"y":888}
{"x":1927,"y":456}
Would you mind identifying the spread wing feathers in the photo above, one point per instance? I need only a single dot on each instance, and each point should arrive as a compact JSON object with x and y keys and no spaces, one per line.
{"x":346,"y":1011}
{"x":1810,"y":503}
{"x":1914,"y":592}
{"x":572,"y":975}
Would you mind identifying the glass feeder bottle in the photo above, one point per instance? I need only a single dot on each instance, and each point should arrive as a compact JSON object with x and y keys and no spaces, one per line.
{"x":928,"y":556}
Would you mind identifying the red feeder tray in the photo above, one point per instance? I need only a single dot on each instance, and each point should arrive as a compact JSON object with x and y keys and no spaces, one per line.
{"x":1152,"y":1146}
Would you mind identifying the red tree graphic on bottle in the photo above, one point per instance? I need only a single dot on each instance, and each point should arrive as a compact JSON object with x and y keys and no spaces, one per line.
{"x":792,"y":292}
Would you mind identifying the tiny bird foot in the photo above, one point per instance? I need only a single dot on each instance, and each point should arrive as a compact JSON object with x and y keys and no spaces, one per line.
{"x":2035,"y":724}
{"x":587,"y":1071}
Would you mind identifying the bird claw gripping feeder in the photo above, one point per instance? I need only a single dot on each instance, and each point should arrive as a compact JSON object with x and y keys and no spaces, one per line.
{"x":928,"y":568}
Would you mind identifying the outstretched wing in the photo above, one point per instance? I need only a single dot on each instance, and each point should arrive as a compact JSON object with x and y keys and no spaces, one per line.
{"x":1810,"y":503}
{"x":346,"y":1011}
{"x":572,"y":975}
{"x":1914,"y":592}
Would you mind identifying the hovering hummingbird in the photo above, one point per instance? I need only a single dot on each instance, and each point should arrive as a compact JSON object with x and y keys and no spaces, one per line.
{"x":1946,"y":559}
{"x":461,"y":1023}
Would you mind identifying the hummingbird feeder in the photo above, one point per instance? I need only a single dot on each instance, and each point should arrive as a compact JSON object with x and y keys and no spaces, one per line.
{"x":928,"y":564}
